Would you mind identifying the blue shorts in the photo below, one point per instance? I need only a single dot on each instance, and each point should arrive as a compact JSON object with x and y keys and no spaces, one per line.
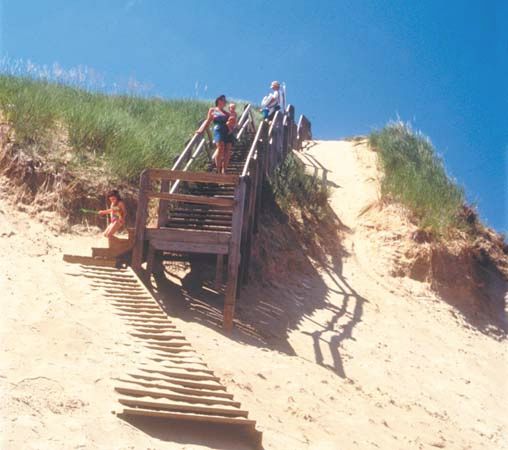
{"x":221,"y":134}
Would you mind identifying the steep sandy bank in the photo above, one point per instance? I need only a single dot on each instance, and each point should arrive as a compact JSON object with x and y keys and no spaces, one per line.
{"x":342,"y":356}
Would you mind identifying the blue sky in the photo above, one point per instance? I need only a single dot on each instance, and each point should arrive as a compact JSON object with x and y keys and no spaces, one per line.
{"x":350,"y":66}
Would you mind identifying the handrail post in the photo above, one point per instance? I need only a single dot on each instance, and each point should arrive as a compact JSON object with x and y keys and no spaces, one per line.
{"x":234,"y":255}
{"x":140,"y":224}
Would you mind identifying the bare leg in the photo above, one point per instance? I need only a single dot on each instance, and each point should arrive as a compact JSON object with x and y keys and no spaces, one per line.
{"x":112,"y":229}
{"x":219,"y":158}
{"x":227,"y":155}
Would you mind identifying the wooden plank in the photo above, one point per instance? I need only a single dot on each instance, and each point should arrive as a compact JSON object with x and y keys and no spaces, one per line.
{"x":188,"y":416}
{"x":164,"y":393}
{"x":157,"y":336}
{"x":180,"y":360}
{"x":192,"y":236}
{"x":167,"y":385}
{"x":161,"y":343}
{"x":140,"y":224}
{"x":162,"y":214}
{"x":253,"y":147}
{"x":90,"y":261}
{"x":114,"y":296}
{"x":234,"y":257}
{"x":186,"y":367}
{"x":150,"y":322}
{"x":155,"y":328}
{"x":139,"y":309}
{"x":127,"y":291}
{"x":187,"y":198}
{"x":182,"y":381}
{"x":174,"y":406}
{"x":135,"y":302}
{"x":219,"y":271}
{"x":188,"y":247}
{"x":180,"y":374}
{"x":196,"y":177}
{"x":198,"y":227}
{"x":139,"y":314}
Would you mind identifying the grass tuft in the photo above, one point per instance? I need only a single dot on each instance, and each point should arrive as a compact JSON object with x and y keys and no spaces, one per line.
{"x":123,"y":133}
{"x":292,"y":186}
{"x":415,"y":176}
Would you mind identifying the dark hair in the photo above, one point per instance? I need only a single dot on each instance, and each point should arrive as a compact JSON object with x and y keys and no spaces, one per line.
{"x":219,"y":98}
{"x":114,"y":193}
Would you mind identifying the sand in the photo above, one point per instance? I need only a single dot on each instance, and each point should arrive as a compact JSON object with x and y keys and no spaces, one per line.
{"x":342,"y":357}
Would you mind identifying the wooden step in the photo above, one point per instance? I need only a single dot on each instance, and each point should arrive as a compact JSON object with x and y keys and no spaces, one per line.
{"x":146,"y":402}
{"x":167,"y":393}
{"x":188,"y":416}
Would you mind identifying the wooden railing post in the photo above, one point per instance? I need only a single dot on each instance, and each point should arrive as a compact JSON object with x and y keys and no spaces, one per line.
{"x":140,"y":224}
{"x":234,"y":255}
{"x":163,"y":212}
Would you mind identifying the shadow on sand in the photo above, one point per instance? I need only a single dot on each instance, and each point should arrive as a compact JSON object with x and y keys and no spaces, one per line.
{"x":285,"y":289}
{"x":216,"y":436}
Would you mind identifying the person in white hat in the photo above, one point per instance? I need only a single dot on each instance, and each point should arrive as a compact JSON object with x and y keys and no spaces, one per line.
{"x":271,"y":103}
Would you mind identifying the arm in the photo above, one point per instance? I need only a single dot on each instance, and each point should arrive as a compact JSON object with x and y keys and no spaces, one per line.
{"x":103,"y":212}
{"x":206,"y":124}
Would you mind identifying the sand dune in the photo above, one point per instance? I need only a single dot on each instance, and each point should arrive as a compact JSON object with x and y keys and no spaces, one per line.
{"x":342,"y":357}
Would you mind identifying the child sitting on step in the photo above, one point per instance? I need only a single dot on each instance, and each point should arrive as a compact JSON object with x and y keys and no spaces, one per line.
{"x":117,"y":213}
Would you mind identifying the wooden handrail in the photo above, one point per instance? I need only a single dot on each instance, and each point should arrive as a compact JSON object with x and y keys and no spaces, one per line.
{"x":275,"y":119}
{"x":193,"y":157}
{"x":245,"y":112}
{"x":187,"y":148}
{"x":253,"y":148}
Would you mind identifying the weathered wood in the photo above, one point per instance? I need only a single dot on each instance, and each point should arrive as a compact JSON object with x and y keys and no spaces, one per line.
{"x":197,"y":177}
{"x":89,"y":260}
{"x":189,"y":247}
{"x":141,"y":216}
{"x":234,"y":256}
{"x":189,"y":416}
{"x":181,"y":381}
{"x":253,"y":147}
{"x":187,"y":198}
{"x":167,"y":385}
{"x":180,"y":406}
{"x":138,"y":314}
{"x":192,"y":236}
{"x":186,"y":367}
{"x":165,"y":393}
{"x":219,"y":271}
{"x":180,"y":374}
{"x":163,"y":205}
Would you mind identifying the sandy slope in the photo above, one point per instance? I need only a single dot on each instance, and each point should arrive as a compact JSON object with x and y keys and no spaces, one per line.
{"x":342,"y":357}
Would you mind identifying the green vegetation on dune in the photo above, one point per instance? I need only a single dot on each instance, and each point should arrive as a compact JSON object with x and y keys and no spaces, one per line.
{"x":122,"y":133}
{"x":415,"y":176}
{"x":291,"y":186}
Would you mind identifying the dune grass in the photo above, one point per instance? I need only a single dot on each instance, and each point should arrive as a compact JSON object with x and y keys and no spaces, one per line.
{"x":123,"y":133}
{"x":415,"y":176}
{"x":292,"y":186}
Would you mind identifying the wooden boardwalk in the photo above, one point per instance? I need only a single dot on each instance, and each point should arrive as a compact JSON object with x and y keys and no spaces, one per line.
{"x":199,"y":211}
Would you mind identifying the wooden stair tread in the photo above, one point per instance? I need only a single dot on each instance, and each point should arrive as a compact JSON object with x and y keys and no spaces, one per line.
{"x":147,"y":402}
{"x":189,"y":416}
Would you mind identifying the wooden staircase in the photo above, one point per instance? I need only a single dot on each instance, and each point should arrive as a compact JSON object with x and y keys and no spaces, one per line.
{"x":210,"y":213}
{"x":170,"y":380}
{"x":198,"y":212}
{"x":116,"y":254}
